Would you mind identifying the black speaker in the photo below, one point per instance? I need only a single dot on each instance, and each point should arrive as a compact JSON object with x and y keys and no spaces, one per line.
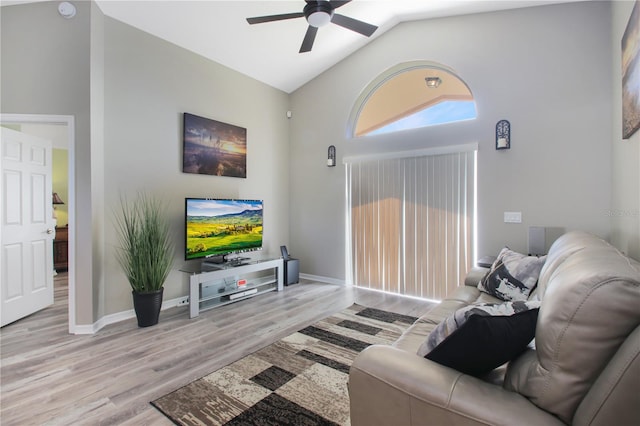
{"x":291,"y":267}
{"x":537,"y":240}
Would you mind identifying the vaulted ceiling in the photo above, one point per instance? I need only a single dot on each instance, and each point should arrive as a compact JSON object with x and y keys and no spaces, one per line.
{"x":268,"y":52}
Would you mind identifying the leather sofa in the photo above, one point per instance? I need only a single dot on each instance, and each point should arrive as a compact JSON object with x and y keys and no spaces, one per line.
{"x":583,"y":367}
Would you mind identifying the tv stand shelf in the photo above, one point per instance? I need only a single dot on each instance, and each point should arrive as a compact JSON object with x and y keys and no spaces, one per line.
{"x":212,"y":285}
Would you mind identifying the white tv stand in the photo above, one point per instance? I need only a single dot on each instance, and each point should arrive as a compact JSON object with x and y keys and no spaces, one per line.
{"x":209,"y":286}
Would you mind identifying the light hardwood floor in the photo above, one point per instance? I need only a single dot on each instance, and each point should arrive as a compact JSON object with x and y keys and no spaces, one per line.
{"x":51,"y":377}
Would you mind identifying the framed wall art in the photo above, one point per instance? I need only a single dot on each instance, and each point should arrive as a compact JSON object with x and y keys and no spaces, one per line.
{"x":211,"y":147}
{"x":631,"y":74}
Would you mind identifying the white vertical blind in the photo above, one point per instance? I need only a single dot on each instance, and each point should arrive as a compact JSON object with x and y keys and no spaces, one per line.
{"x":411,"y":222}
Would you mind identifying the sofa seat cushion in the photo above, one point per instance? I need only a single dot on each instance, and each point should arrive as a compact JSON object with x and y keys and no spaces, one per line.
{"x":442,"y":310}
{"x":413,"y":337}
{"x":463,"y":296}
{"x":512,"y":276}
{"x":486,"y":299}
{"x":479,"y":338}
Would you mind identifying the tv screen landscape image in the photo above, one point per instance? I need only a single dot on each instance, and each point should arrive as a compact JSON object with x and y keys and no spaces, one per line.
{"x":216,"y":227}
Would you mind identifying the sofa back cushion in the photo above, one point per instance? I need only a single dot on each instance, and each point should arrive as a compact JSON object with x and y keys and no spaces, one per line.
{"x":590,"y":301}
{"x":560,"y":250}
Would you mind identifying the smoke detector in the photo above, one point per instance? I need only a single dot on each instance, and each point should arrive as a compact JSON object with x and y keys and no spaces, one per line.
{"x":67,"y":10}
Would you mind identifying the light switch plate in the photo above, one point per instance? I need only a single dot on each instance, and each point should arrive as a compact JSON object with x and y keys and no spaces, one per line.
{"x":512,"y":217}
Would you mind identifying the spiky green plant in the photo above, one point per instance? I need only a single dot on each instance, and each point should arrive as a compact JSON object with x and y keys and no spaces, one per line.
{"x":146,"y":250}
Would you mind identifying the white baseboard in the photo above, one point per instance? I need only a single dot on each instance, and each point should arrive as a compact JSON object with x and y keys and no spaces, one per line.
{"x":322,"y":279}
{"x":167,"y":304}
{"x":117,"y":317}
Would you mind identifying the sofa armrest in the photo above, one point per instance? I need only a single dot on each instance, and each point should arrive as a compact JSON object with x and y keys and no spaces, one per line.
{"x":391,"y":386}
{"x":486,"y":261}
{"x":474,"y":276}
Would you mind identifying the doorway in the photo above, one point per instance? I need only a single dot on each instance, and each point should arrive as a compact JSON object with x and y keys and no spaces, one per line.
{"x":63,"y":126}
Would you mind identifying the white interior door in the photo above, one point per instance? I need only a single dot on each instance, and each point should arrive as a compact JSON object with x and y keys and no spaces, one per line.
{"x":27,"y":230}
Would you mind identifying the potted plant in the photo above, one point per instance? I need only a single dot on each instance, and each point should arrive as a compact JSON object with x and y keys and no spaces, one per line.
{"x":145,"y":253}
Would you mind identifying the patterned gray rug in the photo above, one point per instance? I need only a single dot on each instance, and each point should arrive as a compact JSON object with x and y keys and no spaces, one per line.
{"x":299,"y":380}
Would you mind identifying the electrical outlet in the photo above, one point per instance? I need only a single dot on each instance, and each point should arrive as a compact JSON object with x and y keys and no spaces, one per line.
{"x":512,"y":217}
{"x":183,"y":301}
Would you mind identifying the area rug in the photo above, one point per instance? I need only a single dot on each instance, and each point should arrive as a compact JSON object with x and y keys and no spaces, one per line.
{"x":299,"y":380}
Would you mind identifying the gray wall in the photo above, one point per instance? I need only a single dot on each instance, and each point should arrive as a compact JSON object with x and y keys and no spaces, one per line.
{"x":546,"y":69}
{"x":148,"y":84}
{"x":45,"y":70}
{"x":625,"y":189}
{"x":127,"y":91}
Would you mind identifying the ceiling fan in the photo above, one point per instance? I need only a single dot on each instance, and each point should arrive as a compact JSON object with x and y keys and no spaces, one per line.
{"x":318,"y":14}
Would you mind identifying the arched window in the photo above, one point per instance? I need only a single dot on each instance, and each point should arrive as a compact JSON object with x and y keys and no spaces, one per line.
{"x":412,"y":95}
{"x":411,"y":213}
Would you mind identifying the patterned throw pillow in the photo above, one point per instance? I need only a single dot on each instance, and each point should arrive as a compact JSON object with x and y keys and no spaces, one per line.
{"x":478,"y":338}
{"x":512,"y":276}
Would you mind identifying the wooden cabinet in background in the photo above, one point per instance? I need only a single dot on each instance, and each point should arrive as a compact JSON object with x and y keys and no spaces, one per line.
{"x":61,"y":249}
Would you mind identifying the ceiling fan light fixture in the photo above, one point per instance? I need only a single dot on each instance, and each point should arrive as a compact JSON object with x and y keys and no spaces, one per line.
{"x":318,"y":13}
{"x":319,"y":19}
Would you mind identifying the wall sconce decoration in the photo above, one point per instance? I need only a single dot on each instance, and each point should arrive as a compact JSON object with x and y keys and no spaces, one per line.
{"x":433,"y":82}
{"x":331,"y":156}
{"x":503,"y":135}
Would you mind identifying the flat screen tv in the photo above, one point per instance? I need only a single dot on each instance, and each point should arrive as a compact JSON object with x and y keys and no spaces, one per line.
{"x":218,"y":227}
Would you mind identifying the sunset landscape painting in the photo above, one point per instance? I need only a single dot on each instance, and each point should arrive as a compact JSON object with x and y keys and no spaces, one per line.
{"x":631,"y":74}
{"x":214,"y":148}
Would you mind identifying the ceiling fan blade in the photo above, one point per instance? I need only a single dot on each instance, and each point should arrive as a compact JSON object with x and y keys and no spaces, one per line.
{"x":336,"y":4}
{"x":271,"y":18}
{"x":353,"y":24}
{"x":309,"y":38}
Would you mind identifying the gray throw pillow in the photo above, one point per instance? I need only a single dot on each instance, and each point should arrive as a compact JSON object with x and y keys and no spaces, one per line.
{"x":512,"y":276}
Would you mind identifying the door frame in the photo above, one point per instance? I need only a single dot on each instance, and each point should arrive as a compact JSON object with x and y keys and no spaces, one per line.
{"x":69,"y":121}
